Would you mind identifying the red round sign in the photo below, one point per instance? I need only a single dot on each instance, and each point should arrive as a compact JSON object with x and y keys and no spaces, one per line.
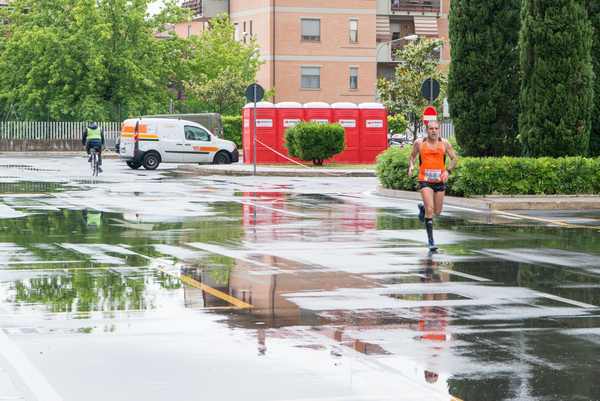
{"x":429,"y":114}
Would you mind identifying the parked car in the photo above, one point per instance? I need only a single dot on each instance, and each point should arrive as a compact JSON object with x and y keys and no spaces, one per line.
{"x":399,"y":140}
{"x":148,"y":142}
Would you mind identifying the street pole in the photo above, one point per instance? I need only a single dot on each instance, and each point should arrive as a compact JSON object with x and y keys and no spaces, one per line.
{"x":254,"y":134}
{"x":431,"y":91}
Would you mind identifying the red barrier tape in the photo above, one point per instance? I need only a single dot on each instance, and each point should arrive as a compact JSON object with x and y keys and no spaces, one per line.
{"x":300,"y":164}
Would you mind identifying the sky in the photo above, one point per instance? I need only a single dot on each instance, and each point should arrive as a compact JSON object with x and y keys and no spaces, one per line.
{"x":154,"y":7}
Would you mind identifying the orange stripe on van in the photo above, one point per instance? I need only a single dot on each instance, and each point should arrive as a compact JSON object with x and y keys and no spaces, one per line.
{"x":141,"y":136}
{"x":205,"y":148}
{"x":142,"y":128}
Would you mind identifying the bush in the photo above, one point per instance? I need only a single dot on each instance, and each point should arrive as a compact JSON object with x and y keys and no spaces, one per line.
{"x":392,"y":169}
{"x":316,"y":142}
{"x":501,"y":176}
{"x":232,"y":129}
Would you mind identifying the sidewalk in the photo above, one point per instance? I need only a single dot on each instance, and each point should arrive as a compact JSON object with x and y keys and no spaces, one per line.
{"x":524,"y":202}
{"x":106,"y":154}
{"x":240,"y":169}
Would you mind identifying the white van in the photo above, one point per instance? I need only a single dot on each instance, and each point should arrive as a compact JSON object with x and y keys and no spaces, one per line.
{"x":150,"y":141}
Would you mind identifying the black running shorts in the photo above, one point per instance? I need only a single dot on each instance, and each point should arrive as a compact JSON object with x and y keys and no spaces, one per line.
{"x":436,"y":186}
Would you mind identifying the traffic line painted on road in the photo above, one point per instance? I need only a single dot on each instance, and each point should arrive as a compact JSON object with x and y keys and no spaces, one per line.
{"x":212,"y":291}
{"x":29,"y":375}
{"x":465,"y":275}
{"x":568,"y":301}
{"x":543,"y":220}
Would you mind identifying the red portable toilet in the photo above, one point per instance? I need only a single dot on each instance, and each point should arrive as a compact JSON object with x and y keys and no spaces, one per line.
{"x":318,"y":112}
{"x":348,"y":116}
{"x":288,"y":115}
{"x":266,"y":132}
{"x":373,"y":131}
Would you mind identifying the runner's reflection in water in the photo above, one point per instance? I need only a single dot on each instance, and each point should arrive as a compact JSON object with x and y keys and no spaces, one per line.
{"x":434,"y":319}
{"x":262,"y":342}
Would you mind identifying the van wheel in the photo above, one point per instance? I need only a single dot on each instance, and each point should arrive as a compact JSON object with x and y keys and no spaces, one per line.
{"x":151,"y":161}
{"x":222,"y":158}
{"x":133,"y":165}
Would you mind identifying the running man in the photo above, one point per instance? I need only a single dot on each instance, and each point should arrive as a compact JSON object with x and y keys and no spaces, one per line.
{"x":433,"y":174}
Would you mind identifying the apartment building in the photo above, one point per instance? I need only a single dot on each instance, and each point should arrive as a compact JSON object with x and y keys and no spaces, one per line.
{"x":202,"y":11}
{"x":313,"y":50}
{"x":400,"y":21}
{"x":330,"y":51}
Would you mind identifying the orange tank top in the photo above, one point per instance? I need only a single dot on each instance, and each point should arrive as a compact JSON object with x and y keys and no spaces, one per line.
{"x":433,"y":163}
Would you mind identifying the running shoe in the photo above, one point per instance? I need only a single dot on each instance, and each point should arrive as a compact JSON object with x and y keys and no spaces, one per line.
{"x":432,"y":246}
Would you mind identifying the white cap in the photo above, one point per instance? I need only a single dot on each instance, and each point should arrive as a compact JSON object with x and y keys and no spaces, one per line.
{"x":260,"y":105}
{"x":288,"y":105}
{"x":344,"y":105}
{"x":317,"y":105}
{"x":375,"y":106}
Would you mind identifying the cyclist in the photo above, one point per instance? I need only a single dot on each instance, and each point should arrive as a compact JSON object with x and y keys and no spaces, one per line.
{"x":433,"y":174}
{"x":93,"y":137}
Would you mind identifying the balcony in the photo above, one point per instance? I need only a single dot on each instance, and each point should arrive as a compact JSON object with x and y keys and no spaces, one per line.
{"x":194,"y":5}
{"x":420,"y":6}
{"x":386,"y":51}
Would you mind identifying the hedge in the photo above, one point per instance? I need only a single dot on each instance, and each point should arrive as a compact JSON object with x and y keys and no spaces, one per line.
{"x":500,"y":175}
{"x":314,"y":141}
{"x":232,"y":129}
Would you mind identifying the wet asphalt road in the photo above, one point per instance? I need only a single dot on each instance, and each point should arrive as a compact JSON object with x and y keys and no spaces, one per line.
{"x":153,"y":286}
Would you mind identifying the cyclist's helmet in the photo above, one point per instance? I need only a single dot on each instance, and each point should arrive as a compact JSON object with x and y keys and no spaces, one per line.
{"x":93,"y":125}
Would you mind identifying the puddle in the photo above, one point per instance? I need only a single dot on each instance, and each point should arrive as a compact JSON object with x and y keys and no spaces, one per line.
{"x":325,"y":277}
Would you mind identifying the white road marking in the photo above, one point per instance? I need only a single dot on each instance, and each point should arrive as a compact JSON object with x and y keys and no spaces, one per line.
{"x":465,"y":275}
{"x":568,"y":301}
{"x":28,"y":374}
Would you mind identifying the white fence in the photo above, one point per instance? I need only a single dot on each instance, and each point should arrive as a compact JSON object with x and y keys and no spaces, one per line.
{"x":446,"y":129}
{"x":54,"y":131}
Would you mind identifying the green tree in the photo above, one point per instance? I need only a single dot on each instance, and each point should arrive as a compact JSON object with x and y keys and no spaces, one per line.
{"x":84,"y":59}
{"x":397,"y":123}
{"x":557,"y":78}
{"x":594,"y":13}
{"x":219,"y":69}
{"x":402,"y":95}
{"x":483,"y":84}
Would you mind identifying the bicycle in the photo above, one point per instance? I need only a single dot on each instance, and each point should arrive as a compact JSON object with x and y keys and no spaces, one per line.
{"x":94,"y":162}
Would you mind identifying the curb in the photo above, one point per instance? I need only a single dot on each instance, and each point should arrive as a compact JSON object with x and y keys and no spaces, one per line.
{"x":262,"y":172}
{"x":106,"y":155}
{"x":566,"y":202}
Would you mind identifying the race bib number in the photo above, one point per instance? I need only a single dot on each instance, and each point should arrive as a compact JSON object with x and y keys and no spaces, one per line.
{"x":433,"y":175}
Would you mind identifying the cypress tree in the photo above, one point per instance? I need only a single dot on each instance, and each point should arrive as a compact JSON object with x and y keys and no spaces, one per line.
{"x":483,"y":86}
{"x":557,"y":78}
{"x":594,"y":12}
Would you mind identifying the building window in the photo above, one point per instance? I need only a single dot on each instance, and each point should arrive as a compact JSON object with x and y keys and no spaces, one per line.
{"x":251,"y":33}
{"x":244,"y":33}
{"x":311,"y":29}
{"x":353,"y":31}
{"x":311,"y":78}
{"x":353,"y":84}
{"x":196,"y":134}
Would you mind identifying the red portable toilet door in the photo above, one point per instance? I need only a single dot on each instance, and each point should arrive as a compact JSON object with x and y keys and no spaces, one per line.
{"x":373,"y":135}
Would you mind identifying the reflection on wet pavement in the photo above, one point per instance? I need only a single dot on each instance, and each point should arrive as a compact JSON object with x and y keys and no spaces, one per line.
{"x":303,"y":289}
